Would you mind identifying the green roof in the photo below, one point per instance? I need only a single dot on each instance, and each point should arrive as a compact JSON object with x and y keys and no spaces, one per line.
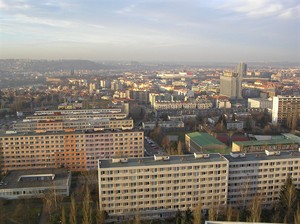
{"x":204,"y":139}
{"x":265,"y":142}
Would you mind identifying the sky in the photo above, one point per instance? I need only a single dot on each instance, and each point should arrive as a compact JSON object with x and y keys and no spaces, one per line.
{"x":151,"y":30}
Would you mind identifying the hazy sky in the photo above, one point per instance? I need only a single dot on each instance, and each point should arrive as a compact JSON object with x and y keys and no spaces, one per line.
{"x":156,"y":30}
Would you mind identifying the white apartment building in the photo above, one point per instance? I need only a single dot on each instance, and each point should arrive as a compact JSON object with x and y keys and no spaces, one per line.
{"x":171,"y":105}
{"x":157,"y":187}
{"x":76,"y":124}
{"x":260,"y":103}
{"x":261,"y":174}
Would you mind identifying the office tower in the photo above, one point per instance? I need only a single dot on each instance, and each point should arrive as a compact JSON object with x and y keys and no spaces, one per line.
{"x":241,"y":69}
{"x":231,"y":85}
{"x":286,"y":110}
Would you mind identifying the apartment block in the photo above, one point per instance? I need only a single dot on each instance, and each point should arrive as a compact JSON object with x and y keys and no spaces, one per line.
{"x":261,"y":175}
{"x":156,"y":187}
{"x":169,"y":105}
{"x":84,"y":124}
{"x":75,"y":150}
{"x":285,"y":108}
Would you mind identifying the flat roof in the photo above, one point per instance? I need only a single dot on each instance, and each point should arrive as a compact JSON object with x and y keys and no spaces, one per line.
{"x":62,"y":132}
{"x":204,"y":139}
{"x":149,"y":161}
{"x":11,"y":180}
{"x":263,"y":156}
{"x":265,"y":142}
{"x":292,"y":137}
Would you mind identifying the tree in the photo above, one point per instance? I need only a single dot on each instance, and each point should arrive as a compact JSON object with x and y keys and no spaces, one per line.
{"x":211,"y":213}
{"x":73,"y":212}
{"x":165,"y":143}
{"x":179,"y":148}
{"x":229,"y":213}
{"x":297,"y":215}
{"x":187,"y":216}
{"x":178,"y":217}
{"x":288,"y":200}
{"x":63,"y":215}
{"x":198,"y":214}
{"x":86,"y":208}
{"x":101,"y":215}
{"x":255,"y":210}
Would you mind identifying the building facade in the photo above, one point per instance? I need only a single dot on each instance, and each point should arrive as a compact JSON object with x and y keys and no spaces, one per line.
{"x":155,"y":188}
{"x":84,"y":124}
{"x":285,"y":109}
{"x":260,"y":146}
{"x":75,"y":150}
{"x":231,"y":85}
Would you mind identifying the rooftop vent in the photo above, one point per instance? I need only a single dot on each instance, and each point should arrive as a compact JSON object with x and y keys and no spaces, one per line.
{"x":119,"y":160}
{"x":161,"y":157}
{"x":237,"y":155}
{"x":272,"y":153}
{"x":201,"y":155}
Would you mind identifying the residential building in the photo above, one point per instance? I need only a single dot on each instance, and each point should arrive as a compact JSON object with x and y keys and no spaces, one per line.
{"x":286,"y":109}
{"x":163,"y":124}
{"x":75,"y":150}
{"x":260,"y":174}
{"x":170,"y":105}
{"x":83,"y":124}
{"x":260,"y":103}
{"x":156,"y":187}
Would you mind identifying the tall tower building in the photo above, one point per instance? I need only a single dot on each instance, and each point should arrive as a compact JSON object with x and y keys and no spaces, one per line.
{"x":286,"y":110}
{"x":241,"y":69}
{"x":231,"y":85}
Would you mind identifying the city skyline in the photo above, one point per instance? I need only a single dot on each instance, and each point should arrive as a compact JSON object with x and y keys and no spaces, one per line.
{"x":232,"y":30}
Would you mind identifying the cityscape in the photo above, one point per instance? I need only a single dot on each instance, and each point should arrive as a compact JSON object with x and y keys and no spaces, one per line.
{"x":149,"y":112}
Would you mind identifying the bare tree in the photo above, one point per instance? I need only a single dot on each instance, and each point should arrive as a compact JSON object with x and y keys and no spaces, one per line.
{"x":198,"y":213}
{"x":63,"y":215}
{"x":101,"y":215}
{"x":73,"y":212}
{"x":86,"y":207}
{"x":179,"y":148}
{"x":255,"y":209}
{"x":229,"y":213}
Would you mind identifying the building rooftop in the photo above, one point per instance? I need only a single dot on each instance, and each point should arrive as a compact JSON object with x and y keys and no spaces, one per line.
{"x":67,"y":131}
{"x":262,"y":156}
{"x":150,"y":161}
{"x":292,"y":137}
{"x":204,"y":139}
{"x":265,"y":142}
{"x":35,"y":178}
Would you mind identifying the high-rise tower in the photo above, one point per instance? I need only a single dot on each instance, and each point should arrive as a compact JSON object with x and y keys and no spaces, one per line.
{"x":231,"y":85}
{"x":241,"y":69}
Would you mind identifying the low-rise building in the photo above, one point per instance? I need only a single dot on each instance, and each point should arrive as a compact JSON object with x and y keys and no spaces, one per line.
{"x":203,"y":142}
{"x":20,"y":184}
{"x":260,"y":146}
